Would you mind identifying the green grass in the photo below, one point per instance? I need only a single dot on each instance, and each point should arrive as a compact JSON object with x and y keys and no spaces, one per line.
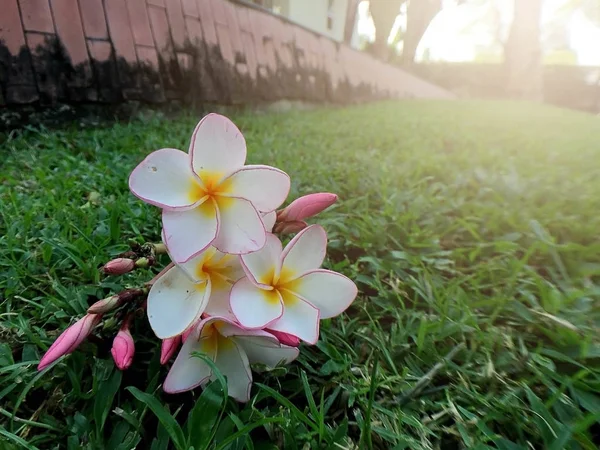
{"x":471,"y":228}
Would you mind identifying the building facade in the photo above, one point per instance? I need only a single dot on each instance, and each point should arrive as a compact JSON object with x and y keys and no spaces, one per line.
{"x":326,"y":17}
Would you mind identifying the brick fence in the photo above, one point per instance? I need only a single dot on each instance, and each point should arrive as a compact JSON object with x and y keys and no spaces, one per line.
{"x":189,"y":50}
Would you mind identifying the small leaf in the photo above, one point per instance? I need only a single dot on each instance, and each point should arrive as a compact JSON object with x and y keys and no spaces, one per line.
{"x":161,"y":441}
{"x":203,"y":418}
{"x":330,"y":367}
{"x":104,"y":398}
{"x":285,"y":402}
{"x":163,"y":415}
{"x":117,"y":434}
{"x":587,"y":400}
{"x":558,"y":320}
{"x":16,"y":439}
{"x":564,"y":436}
{"x":29,"y":353}
{"x":6,"y":357}
{"x":309,"y":396}
{"x":505,"y":444}
{"x":247,"y":429}
{"x":540,"y":232}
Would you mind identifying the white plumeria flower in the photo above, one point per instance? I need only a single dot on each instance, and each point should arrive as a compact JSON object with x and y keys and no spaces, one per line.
{"x":269,"y":220}
{"x":207,"y":195}
{"x":201,"y":285}
{"x":232,"y":349}
{"x":286,"y":291}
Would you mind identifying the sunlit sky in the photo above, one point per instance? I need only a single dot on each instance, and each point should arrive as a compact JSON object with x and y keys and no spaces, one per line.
{"x":457,"y":33}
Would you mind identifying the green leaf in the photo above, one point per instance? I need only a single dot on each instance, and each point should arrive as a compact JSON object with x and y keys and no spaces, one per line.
{"x":587,"y":400}
{"x":6,"y":357}
{"x":560,"y":443}
{"x":104,"y":399}
{"x":365,"y":432}
{"x":330,"y":367}
{"x":215,"y":370}
{"x":241,"y":443}
{"x":161,"y":441}
{"x":341,"y":433}
{"x":285,"y":402}
{"x":247,"y":429}
{"x":204,"y":418}
{"x":117,"y":434}
{"x":309,"y":396}
{"x":547,"y":426}
{"x":505,"y":444}
{"x":163,"y":415}
{"x":16,"y":439}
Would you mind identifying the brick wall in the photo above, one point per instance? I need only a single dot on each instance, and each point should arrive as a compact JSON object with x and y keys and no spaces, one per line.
{"x":202,"y":50}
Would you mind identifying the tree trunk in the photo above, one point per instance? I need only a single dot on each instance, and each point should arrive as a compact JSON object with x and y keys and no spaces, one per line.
{"x":523,"y":53}
{"x":351,"y":15}
{"x":384,"y":13}
{"x":420,"y":13}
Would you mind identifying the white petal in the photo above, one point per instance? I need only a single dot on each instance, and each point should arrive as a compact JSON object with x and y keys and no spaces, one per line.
{"x":269,"y":220}
{"x":217,"y":146}
{"x":233,"y":329}
{"x":188,"y":371}
{"x":331,"y":292}
{"x":233,"y":363}
{"x":175,"y":303}
{"x":228,"y":265}
{"x":299,"y":318}
{"x":267,"y":351}
{"x":187,"y":233}
{"x":266,"y":187}
{"x":193,"y":266}
{"x":218,"y":305}
{"x":304,"y":253}
{"x":263,"y":266}
{"x":211,"y":261}
{"x":240,"y":228}
{"x":254,"y":307}
{"x":165,"y":179}
{"x":237,"y":270}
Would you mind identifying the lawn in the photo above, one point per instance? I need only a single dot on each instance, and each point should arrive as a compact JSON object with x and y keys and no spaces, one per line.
{"x":471,"y":228}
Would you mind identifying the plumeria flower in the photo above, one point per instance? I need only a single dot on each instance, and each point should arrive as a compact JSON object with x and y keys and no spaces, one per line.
{"x":284,"y":290}
{"x":178,"y":298}
{"x":232,"y":349}
{"x":207,"y":195}
{"x":269,"y":220}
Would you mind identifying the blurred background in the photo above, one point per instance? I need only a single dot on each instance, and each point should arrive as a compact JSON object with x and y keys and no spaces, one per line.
{"x":242,"y":52}
{"x":532,"y":49}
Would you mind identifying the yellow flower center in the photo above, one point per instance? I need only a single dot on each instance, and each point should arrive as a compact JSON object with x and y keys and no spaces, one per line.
{"x":212,"y":341}
{"x":282,"y":283}
{"x":211,"y":187}
{"x":219,"y":271}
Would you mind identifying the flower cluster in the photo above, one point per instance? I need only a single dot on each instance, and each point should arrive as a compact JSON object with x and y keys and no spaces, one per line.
{"x":233,"y":292}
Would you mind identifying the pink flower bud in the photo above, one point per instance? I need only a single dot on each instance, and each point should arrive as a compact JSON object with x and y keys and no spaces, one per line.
{"x":119,"y":266}
{"x":290,"y":227}
{"x":123,"y":349}
{"x":307,"y":206}
{"x":168,"y":348}
{"x":285,"y":338}
{"x":186,"y":333}
{"x":105,"y":305}
{"x":70,"y":339}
